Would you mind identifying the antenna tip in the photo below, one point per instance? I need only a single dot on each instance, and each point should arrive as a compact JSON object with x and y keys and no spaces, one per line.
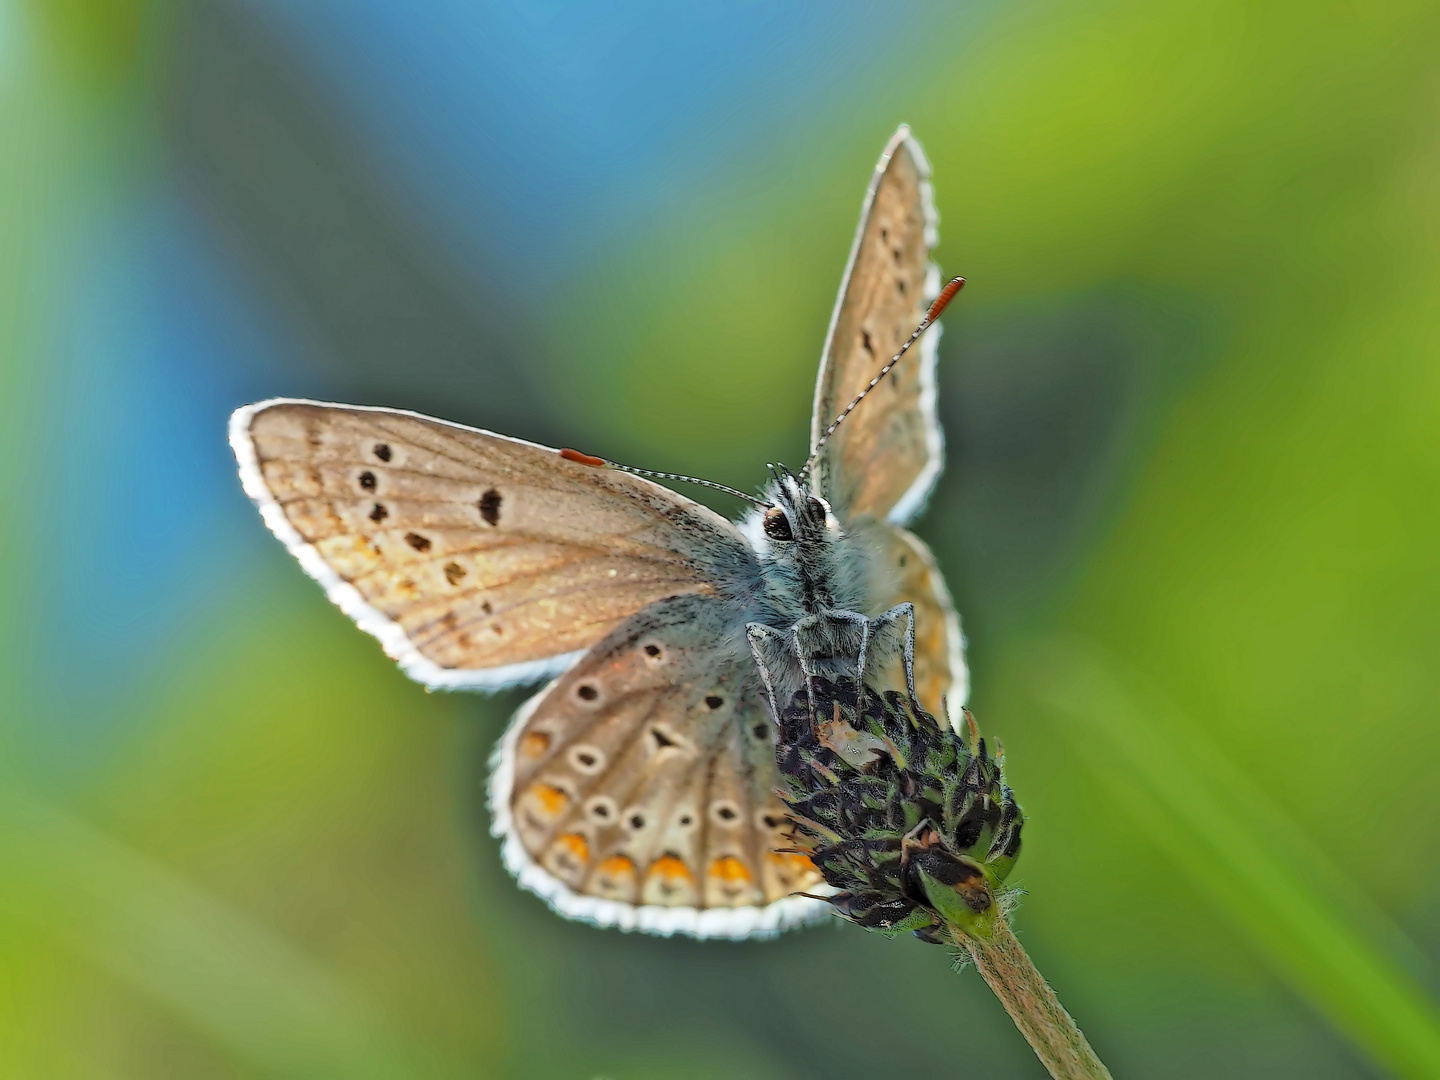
{"x":953,"y":286}
{"x":583,"y":459}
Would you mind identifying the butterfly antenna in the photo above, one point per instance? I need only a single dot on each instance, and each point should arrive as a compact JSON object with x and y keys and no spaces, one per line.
{"x":953,"y":286}
{"x":604,"y":463}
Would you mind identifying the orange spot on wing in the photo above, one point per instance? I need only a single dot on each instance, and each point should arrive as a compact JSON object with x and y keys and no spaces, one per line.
{"x":730,"y":870}
{"x":576,"y":844}
{"x":788,"y":863}
{"x":534,"y":744}
{"x":617,"y":866}
{"x":583,"y":459}
{"x":671,"y":868}
{"x":551,"y":799}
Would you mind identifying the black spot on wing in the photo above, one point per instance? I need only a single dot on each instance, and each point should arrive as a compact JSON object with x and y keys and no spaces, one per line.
{"x":490,"y":507}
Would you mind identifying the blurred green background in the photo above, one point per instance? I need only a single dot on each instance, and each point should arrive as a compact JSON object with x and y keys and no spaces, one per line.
{"x":1191,"y":514}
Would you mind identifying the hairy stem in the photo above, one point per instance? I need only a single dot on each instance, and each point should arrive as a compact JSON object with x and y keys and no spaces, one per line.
{"x":1027,"y":997}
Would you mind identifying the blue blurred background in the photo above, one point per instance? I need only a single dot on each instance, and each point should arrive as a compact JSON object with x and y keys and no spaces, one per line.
{"x":1191,"y":514}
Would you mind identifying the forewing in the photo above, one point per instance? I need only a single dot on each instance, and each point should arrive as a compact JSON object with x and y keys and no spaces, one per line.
{"x":884,"y":459}
{"x":637,"y":789}
{"x":477,"y":560}
{"x":905,"y":572}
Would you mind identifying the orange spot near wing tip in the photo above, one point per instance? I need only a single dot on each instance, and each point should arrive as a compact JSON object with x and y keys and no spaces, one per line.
{"x":953,"y":286}
{"x":669,"y":866}
{"x":534,"y":744}
{"x":583,"y":459}
{"x":730,"y":870}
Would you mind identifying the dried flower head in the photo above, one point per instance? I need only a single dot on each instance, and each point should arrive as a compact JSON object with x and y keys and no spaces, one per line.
{"x":910,"y":822}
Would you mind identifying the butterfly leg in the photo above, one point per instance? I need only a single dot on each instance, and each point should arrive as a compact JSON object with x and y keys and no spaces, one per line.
{"x":861,"y":654}
{"x":770,"y":647}
{"x":890,"y":619}
{"x":816,"y":644}
{"x":806,"y":671}
{"x":860,"y":666}
{"x":833,"y":636}
{"x":830,"y":638}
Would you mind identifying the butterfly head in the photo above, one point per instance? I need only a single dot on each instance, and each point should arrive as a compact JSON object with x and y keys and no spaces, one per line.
{"x":804,"y":545}
{"x":796,"y":515}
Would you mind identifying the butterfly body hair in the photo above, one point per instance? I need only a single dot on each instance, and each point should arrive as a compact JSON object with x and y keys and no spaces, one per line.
{"x":811,"y":566}
{"x":817,"y":565}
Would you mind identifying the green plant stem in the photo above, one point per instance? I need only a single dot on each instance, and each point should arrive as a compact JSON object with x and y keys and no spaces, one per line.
{"x":1031,"y":1003}
{"x":1317,"y":929}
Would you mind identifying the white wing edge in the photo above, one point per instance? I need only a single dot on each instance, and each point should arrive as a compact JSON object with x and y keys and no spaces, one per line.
{"x":913,"y":501}
{"x":734,"y":924}
{"x":346,"y":597}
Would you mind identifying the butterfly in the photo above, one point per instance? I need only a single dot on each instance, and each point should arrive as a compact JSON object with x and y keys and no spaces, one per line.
{"x":637,"y":789}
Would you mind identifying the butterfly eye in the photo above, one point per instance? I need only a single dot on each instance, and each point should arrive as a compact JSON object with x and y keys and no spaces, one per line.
{"x":777,"y":525}
{"x":817,"y":508}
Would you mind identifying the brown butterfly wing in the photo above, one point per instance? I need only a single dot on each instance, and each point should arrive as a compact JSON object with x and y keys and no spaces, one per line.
{"x":637,"y":789}
{"x":477,"y":560}
{"x":904,"y":571}
{"x":884,"y":459}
